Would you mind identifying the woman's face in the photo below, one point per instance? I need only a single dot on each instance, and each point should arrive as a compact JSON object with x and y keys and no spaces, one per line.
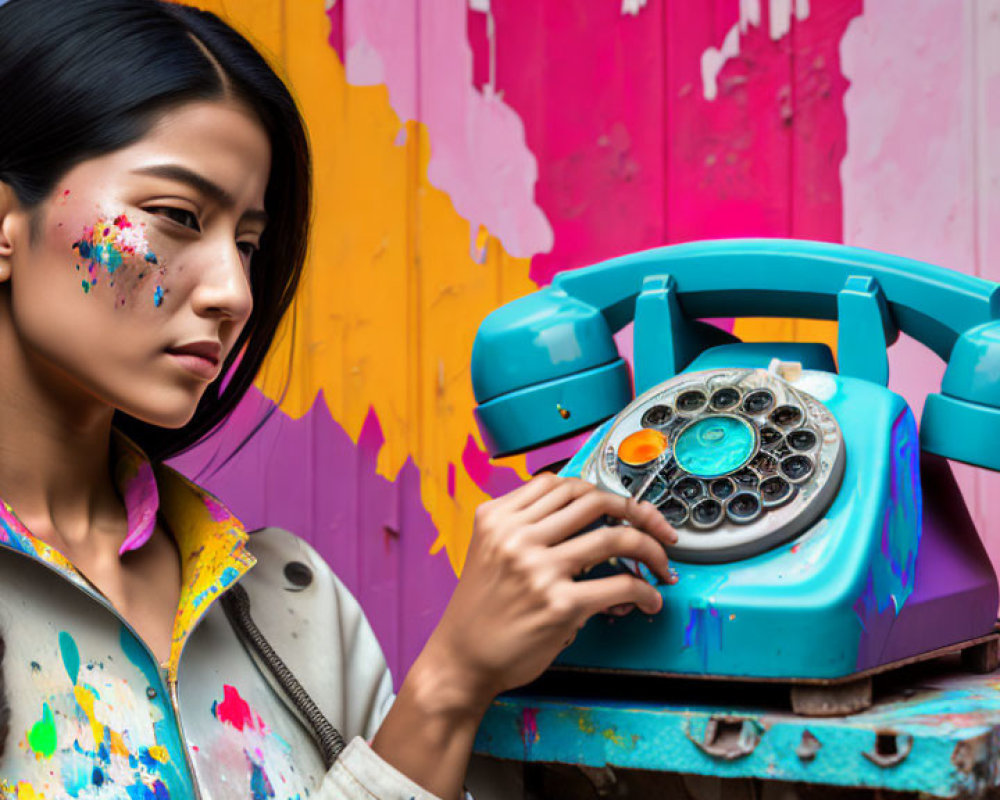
{"x":132,"y":279}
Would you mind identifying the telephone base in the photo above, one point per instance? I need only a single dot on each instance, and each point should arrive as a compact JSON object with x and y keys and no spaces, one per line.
{"x":810,"y":697}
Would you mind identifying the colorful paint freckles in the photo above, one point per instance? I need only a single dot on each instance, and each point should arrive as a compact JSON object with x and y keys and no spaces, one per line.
{"x":108,"y":247}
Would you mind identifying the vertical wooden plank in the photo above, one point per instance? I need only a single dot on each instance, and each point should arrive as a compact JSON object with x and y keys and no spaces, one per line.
{"x":729,"y":141}
{"x":358,"y":243}
{"x":588,"y":82}
{"x":986,"y":71}
{"x":819,"y":133}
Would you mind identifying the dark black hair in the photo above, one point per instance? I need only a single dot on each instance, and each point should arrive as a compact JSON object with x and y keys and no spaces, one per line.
{"x":82,"y":78}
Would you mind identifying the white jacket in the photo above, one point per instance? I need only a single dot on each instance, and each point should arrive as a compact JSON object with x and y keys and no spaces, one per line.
{"x":93,"y":716}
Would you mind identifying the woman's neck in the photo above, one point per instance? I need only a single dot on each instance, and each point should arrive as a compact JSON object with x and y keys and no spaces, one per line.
{"x":55,"y":446}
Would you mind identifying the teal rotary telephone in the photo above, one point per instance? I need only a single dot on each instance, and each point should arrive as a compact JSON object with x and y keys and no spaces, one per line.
{"x":820,"y":538}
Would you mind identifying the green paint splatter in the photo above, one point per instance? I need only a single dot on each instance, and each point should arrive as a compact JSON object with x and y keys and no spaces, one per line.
{"x":70,"y":656}
{"x":42,"y":736}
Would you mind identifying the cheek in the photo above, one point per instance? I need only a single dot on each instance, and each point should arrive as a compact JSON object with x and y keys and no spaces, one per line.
{"x":113,"y":256}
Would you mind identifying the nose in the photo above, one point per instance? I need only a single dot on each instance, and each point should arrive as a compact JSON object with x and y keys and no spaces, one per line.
{"x":223,"y":287}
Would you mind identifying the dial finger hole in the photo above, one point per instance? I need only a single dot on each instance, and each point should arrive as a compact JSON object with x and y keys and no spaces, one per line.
{"x":775,"y":491}
{"x":657,"y":416}
{"x":758,"y":401}
{"x":743,"y":507}
{"x":674,"y":511}
{"x":786,"y":416}
{"x":689,"y":489}
{"x":656,"y":491}
{"x":765,"y":464}
{"x":746,"y":479}
{"x":725,"y":398}
{"x":723,"y":488}
{"x":769,"y":436}
{"x":706,"y":513}
{"x":802,"y":439}
{"x":691,"y":401}
{"x":797,"y":467}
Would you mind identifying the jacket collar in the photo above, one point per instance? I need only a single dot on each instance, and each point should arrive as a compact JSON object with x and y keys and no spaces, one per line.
{"x":210,"y":540}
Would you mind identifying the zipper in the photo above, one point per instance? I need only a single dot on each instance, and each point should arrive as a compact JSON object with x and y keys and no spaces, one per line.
{"x":175,"y":703}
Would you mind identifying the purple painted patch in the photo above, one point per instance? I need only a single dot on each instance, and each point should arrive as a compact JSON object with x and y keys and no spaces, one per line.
{"x":137,"y":484}
{"x":307,"y":476}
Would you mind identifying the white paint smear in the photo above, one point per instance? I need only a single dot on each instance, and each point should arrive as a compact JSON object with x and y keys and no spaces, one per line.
{"x":633,"y":7}
{"x":780,"y":13}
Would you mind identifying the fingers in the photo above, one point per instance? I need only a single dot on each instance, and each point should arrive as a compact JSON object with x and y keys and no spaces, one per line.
{"x":524,"y":496}
{"x":590,"y":506}
{"x":557,"y":497}
{"x":586,"y":551}
{"x":601,"y":594}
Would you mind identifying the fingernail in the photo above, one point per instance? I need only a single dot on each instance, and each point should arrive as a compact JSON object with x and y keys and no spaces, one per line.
{"x":620,"y":610}
{"x":674,"y":575}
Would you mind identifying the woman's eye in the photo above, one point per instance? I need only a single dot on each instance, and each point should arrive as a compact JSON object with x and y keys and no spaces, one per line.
{"x":247,"y":249}
{"x":179,"y":215}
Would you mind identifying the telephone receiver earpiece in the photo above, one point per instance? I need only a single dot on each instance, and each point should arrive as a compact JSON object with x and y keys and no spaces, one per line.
{"x":545,"y":366}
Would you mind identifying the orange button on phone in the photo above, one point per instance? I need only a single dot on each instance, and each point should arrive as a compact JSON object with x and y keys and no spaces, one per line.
{"x":642,"y":447}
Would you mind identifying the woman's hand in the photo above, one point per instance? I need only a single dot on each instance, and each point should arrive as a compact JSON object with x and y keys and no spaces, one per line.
{"x":517,"y":604}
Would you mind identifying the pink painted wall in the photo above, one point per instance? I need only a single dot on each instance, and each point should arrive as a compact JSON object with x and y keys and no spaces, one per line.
{"x":492,"y":143}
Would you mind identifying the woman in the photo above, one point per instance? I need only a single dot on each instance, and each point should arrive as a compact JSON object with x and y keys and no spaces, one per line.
{"x":154,"y":198}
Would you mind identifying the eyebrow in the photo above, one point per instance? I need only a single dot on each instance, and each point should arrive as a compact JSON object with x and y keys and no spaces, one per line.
{"x":202,"y":185}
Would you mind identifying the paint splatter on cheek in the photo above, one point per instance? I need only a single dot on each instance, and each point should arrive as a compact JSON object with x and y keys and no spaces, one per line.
{"x":117,"y":252}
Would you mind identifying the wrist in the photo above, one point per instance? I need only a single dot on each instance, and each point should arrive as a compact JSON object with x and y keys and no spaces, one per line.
{"x":441,"y":688}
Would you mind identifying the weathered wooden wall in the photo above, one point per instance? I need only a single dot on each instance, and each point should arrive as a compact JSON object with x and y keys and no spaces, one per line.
{"x":468,"y":149}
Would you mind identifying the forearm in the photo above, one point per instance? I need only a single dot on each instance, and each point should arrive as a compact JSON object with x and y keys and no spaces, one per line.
{"x":429,"y":731}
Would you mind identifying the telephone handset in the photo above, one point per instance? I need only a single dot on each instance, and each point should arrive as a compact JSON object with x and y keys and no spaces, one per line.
{"x":808,"y":547}
{"x":545,"y":366}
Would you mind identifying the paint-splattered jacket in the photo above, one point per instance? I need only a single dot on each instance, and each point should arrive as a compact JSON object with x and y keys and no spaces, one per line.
{"x":94,"y":716}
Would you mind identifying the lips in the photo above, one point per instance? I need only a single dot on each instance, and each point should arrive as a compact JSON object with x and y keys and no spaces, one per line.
{"x":199,"y":358}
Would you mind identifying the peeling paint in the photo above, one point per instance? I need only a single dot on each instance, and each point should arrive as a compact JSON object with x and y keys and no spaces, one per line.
{"x":633,"y":7}
{"x":780,"y":14}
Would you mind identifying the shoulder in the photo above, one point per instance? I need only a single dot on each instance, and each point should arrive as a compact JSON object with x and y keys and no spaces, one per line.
{"x":318,"y":628}
{"x":290,"y":573}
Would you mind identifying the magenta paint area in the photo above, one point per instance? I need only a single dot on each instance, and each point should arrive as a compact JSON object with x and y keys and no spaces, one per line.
{"x":117,"y":252}
{"x":529,"y":729}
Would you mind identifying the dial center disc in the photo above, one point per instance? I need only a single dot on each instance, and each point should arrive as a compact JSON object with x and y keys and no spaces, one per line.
{"x":715,"y":446}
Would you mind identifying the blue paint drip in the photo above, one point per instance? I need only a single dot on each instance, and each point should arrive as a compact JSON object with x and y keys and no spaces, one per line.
{"x":70,"y":656}
{"x":158,"y":296}
{"x":703,"y":631}
{"x":151,"y":258}
{"x":174,"y":782}
{"x":260,"y":786}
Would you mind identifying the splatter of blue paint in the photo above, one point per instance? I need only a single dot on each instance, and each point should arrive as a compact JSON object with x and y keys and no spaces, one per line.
{"x":70,"y":656}
{"x":260,"y":786}
{"x":158,"y":296}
